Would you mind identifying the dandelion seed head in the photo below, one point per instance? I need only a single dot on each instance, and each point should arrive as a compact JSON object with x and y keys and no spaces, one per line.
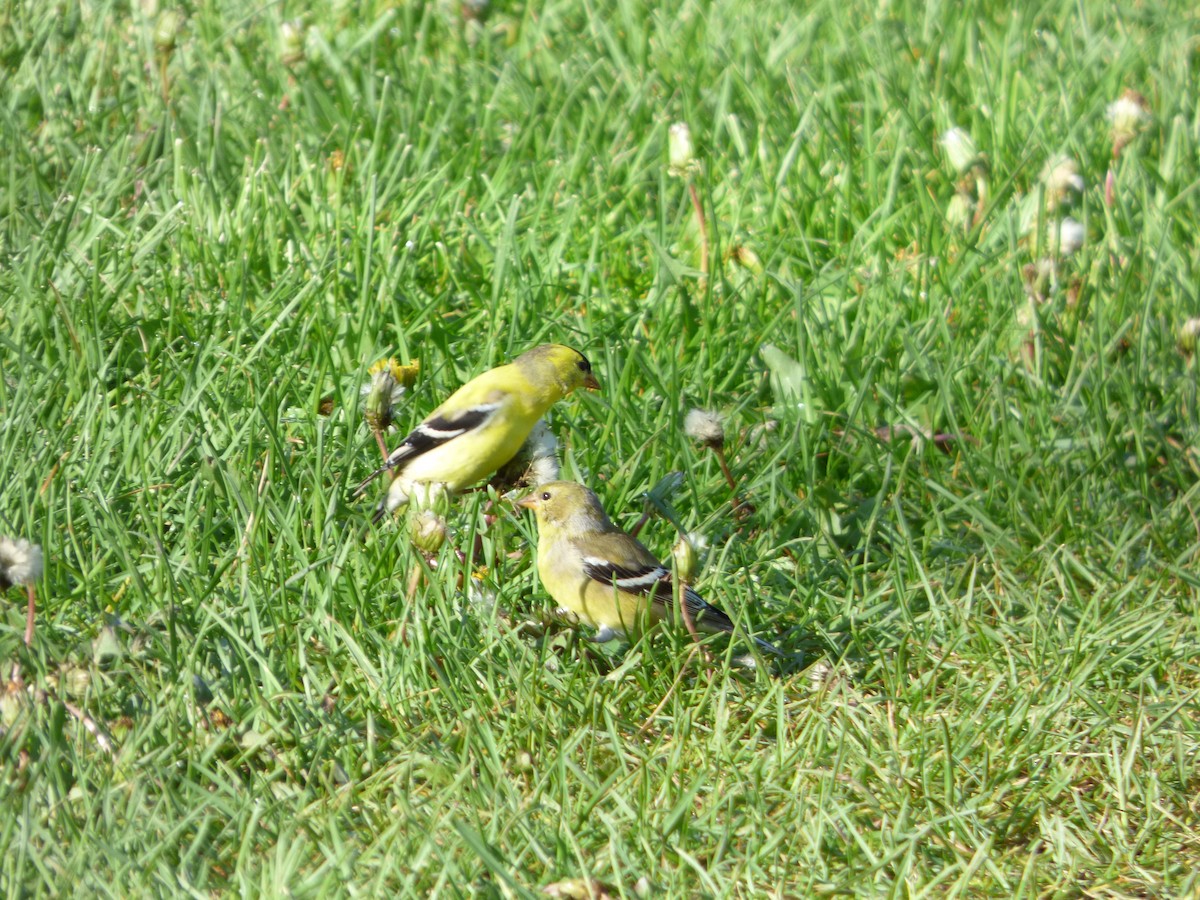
{"x":543,"y":470}
{"x":1071,"y":236}
{"x":1062,"y":179}
{"x":20,"y":561}
{"x":705,"y":427}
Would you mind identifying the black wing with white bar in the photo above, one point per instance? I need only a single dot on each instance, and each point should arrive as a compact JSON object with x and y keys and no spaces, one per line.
{"x":656,"y":583}
{"x":431,"y":434}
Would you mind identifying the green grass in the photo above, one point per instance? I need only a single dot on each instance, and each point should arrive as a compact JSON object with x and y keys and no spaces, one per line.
{"x":1001,"y":688}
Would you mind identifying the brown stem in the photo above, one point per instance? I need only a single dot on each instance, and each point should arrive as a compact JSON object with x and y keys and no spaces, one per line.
{"x":980,"y":200}
{"x":703,"y":225}
{"x":741,"y":508}
{"x":680,"y":593}
{"x":686,"y":614}
{"x":29,"y":616}
{"x":287,"y":97}
{"x":720,"y":451}
{"x":382,"y":446}
{"x":640,"y":523}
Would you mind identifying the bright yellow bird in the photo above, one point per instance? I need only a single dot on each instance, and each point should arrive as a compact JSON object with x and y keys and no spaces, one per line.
{"x":603,"y":575}
{"x":483,"y":424}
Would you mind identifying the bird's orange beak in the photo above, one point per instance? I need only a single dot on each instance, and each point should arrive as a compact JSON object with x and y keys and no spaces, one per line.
{"x":529,"y":502}
{"x":591,"y":383}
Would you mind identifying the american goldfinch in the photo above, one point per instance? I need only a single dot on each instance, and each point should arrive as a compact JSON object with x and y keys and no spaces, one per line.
{"x":603,"y":575}
{"x":483,"y":424}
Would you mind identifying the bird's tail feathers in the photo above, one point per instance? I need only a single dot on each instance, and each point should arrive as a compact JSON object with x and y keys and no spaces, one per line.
{"x":394,"y":459}
{"x":358,"y":491}
{"x":397,"y":456}
{"x":713,"y":619}
{"x":769,"y":648}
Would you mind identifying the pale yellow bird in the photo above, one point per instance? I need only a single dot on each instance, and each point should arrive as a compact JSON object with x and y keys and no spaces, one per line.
{"x":606,"y":577}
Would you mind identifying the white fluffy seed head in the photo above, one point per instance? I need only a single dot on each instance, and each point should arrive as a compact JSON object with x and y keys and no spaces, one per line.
{"x":20,"y":561}
{"x":543,"y":470}
{"x":961,"y":151}
{"x":1071,"y":236}
{"x":705,"y":427}
{"x":1062,"y":179}
{"x":535,"y":463}
{"x":1128,"y":113}
{"x":541,"y":442}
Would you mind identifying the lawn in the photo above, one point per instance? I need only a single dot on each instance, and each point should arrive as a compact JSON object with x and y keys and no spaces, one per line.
{"x":933,"y":263}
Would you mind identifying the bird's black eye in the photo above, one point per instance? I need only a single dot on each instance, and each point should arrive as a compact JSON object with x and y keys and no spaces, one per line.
{"x":584,"y":365}
{"x":545,"y":495}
